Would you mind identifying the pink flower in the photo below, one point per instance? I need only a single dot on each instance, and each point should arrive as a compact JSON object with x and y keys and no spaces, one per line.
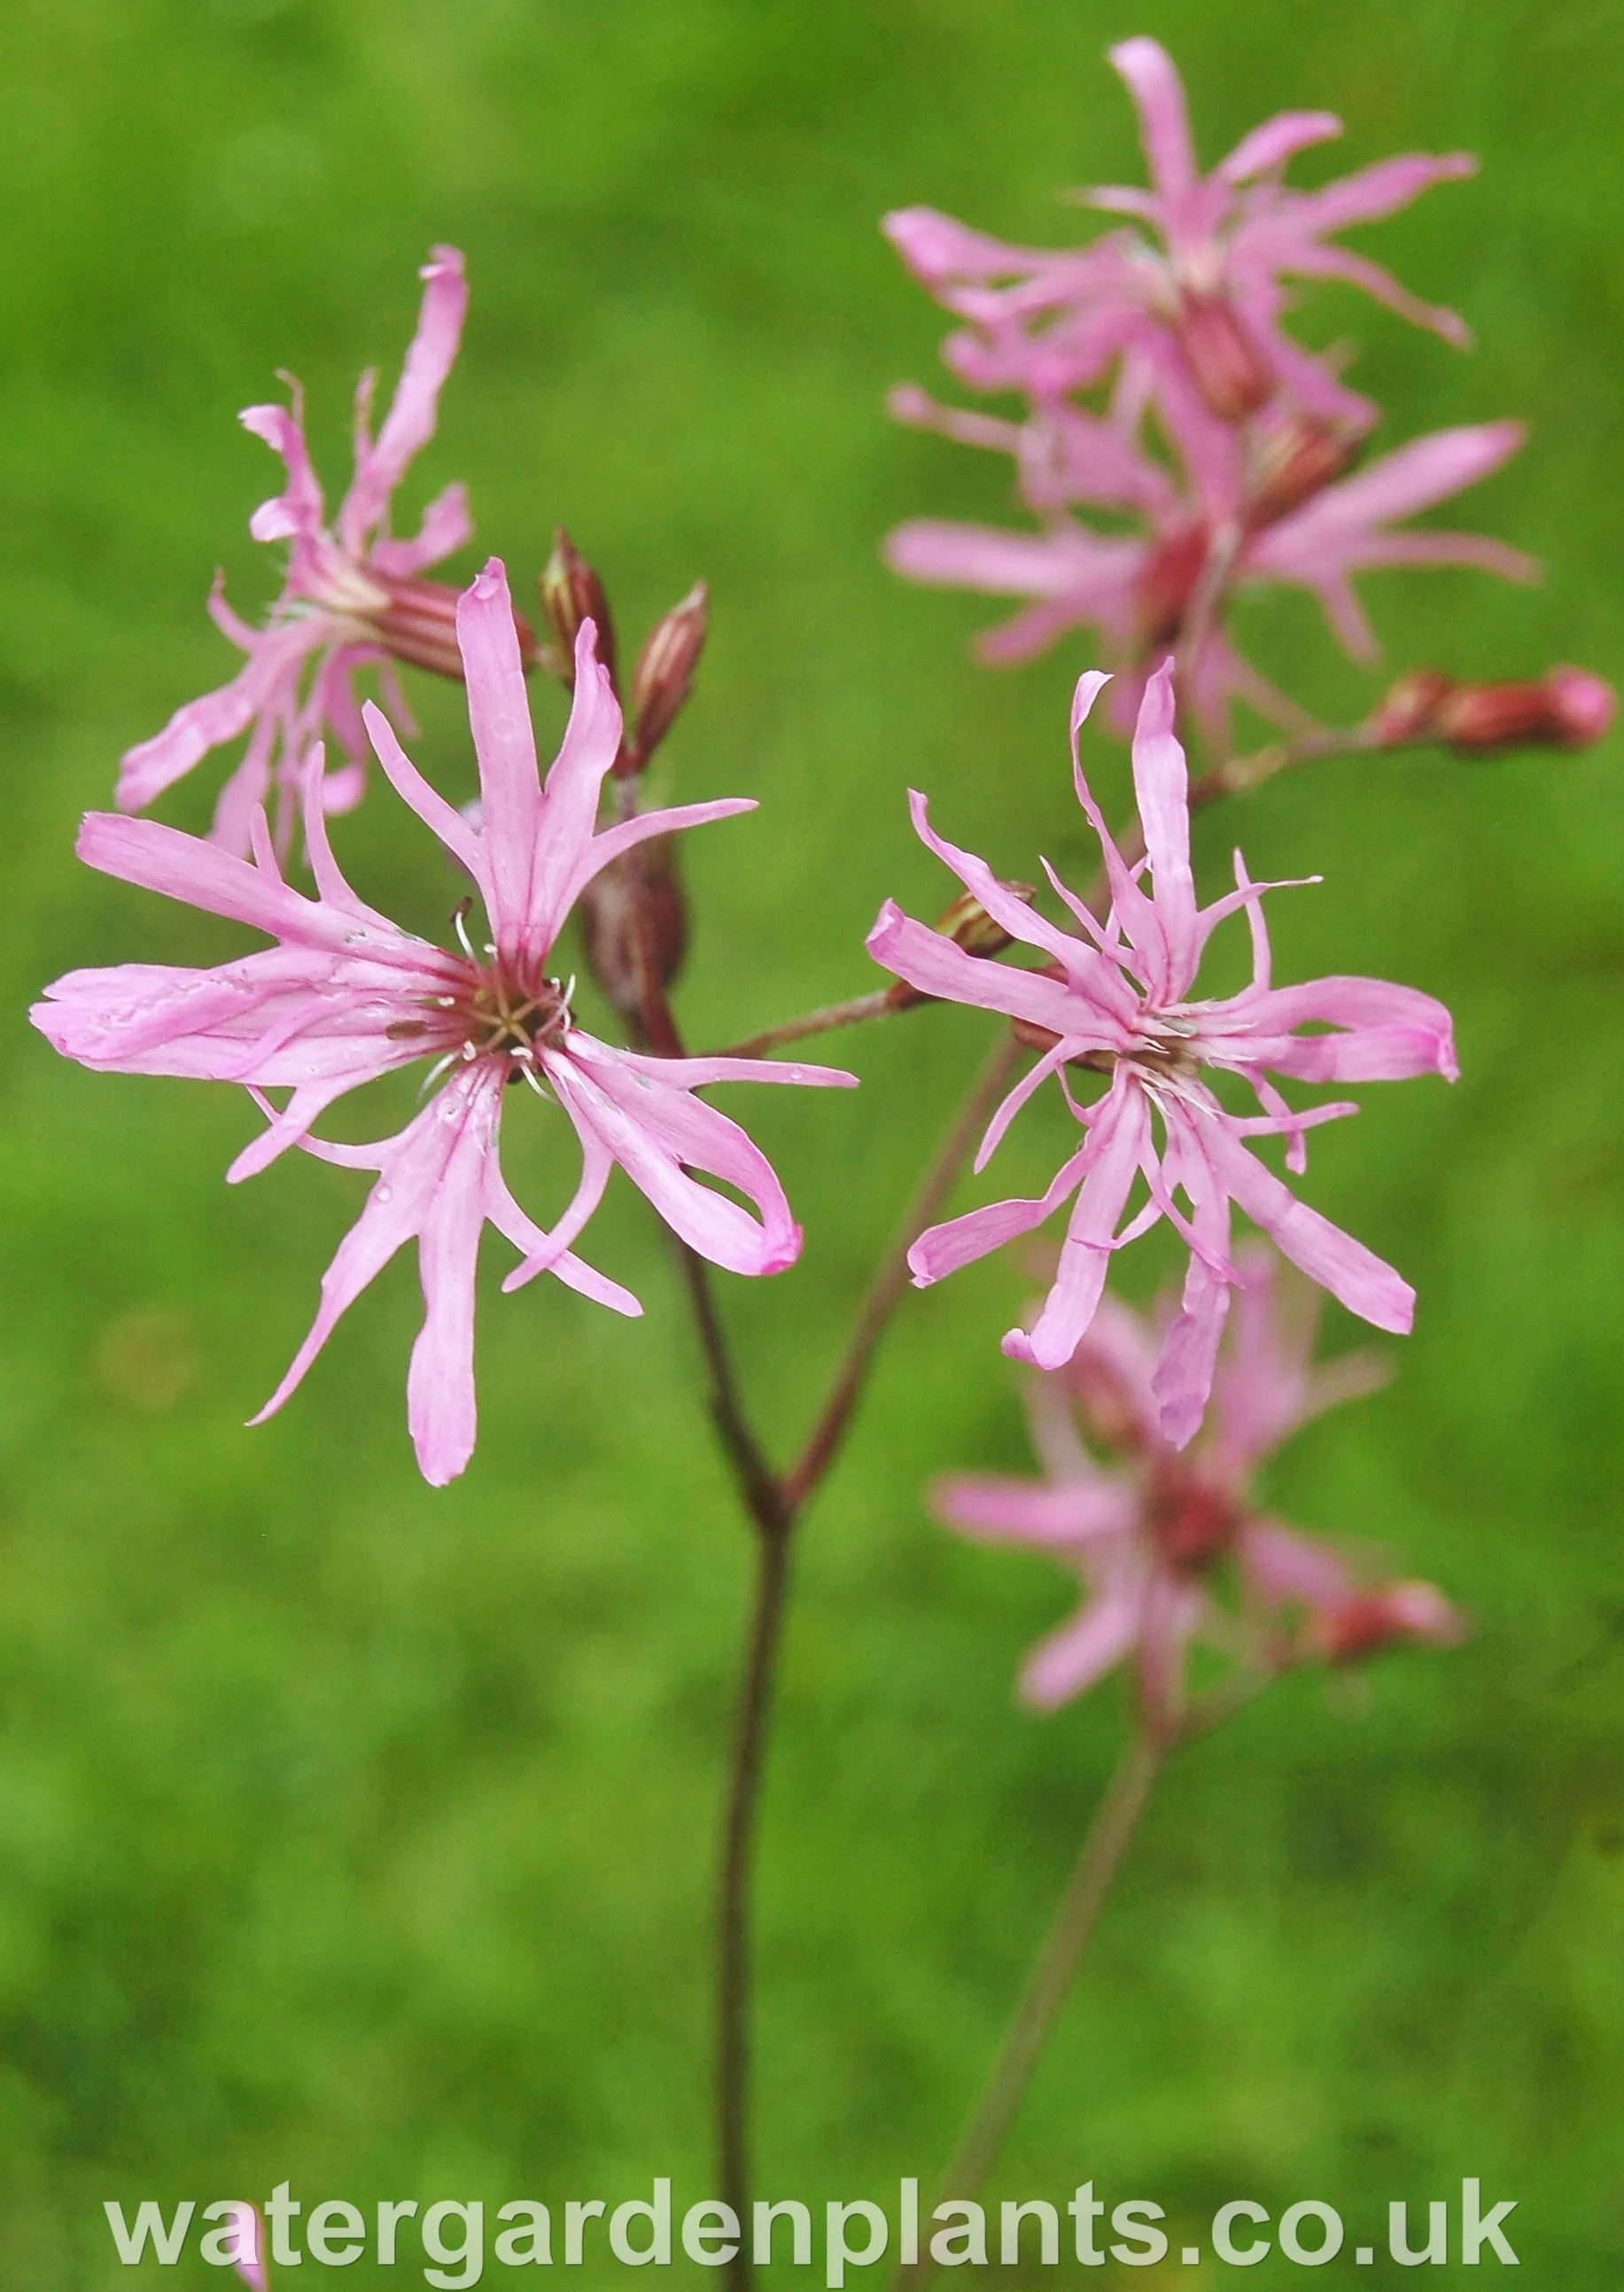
{"x":353,"y":598}
{"x":1116,"y":999}
{"x":247,"y":2231}
{"x":1197,"y":288}
{"x":1147,"y":1537}
{"x":345,"y":995}
{"x":1233,"y":499}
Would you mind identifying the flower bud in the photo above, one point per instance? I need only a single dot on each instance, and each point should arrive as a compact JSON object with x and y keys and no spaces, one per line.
{"x":635,"y":923}
{"x":570,"y":593}
{"x":968,"y":924}
{"x":663,"y":676}
{"x":418,"y":623}
{"x":1565,"y":709}
{"x":1368,"y":1621}
{"x":1293,"y":459}
{"x":1224,"y":362}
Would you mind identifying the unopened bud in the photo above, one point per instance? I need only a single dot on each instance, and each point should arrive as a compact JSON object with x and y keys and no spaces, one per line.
{"x":1224,"y":362}
{"x":634,"y":925}
{"x":418,"y":623}
{"x":1368,"y":1621}
{"x":570,"y":593}
{"x":663,"y":676}
{"x":1166,"y":585}
{"x":1566,"y":709}
{"x":968,"y":924}
{"x":1292,"y":460}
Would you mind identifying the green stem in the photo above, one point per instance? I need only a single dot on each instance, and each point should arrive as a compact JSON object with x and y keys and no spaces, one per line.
{"x":1050,"y":1981}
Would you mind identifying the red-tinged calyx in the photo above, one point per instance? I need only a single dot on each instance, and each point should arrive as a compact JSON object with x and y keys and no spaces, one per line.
{"x":1290,"y":460}
{"x":634,"y":925}
{"x":1224,"y":362}
{"x":1166,"y":585}
{"x":416,"y":622}
{"x":1194,"y":1523}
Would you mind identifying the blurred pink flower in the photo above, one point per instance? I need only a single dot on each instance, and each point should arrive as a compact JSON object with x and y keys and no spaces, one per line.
{"x":1199,"y":288}
{"x":1147,"y":1537}
{"x":345,"y":995}
{"x":252,"y":2265}
{"x":1116,"y":999}
{"x":1234,"y":501}
{"x":353,"y":598}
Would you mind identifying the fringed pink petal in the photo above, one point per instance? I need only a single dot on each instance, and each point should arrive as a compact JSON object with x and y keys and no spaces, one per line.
{"x":409,"y":424}
{"x":1354,"y":1275}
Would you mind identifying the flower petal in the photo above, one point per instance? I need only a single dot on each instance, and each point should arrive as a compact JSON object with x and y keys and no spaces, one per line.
{"x":1189,"y":1355}
{"x":1275,"y":142}
{"x":1354,"y":1275}
{"x":657,"y":1131}
{"x":504,"y":742}
{"x":409,"y":424}
{"x":937,"y":966}
{"x":447,"y":525}
{"x":1091,"y":1644}
{"x":1163,"y":124}
{"x":1161,"y":786}
{"x":1002,"y":1510}
{"x":1110,"y":1165}
{"x":942,"y":1249}
{"x":266,"y":680}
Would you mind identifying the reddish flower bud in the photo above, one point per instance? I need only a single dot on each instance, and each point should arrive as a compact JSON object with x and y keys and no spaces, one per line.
{"x":1166,"y":585}
{"x":663,"y":676}
{"x":635,"y":923}
{"x":1368,"y":1621}
{"x":1291,"y":460}
{"x":570,"y":593}
{"x":418,"y":623}
{"x":1225,"y":363}
{"x":1565,"y":709}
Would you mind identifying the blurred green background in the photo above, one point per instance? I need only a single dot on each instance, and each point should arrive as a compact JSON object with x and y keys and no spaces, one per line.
{"x":360,"y":1834}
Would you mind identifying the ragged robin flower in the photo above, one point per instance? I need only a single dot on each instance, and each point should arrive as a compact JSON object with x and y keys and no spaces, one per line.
{"x":1115,"y":1003}
{"x":354,"y":597}
{"x":346,"y":995}
{"x":1154,"y":1533}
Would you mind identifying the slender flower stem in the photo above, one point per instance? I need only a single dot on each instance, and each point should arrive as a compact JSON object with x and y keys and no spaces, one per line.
{"x":733,"y":1950}
{"x":775,"y":1506}
{"x":880,"y":1005}
{"x":775,"y":1503}
{"x":1051,"y":1978}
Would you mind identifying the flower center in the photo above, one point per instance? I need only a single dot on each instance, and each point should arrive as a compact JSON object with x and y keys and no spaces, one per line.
{"x":504,"y":1020}
{"x":1192,"y":1522}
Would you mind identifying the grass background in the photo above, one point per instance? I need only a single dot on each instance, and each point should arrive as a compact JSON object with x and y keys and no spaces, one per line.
{"x":359,"y":1834}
